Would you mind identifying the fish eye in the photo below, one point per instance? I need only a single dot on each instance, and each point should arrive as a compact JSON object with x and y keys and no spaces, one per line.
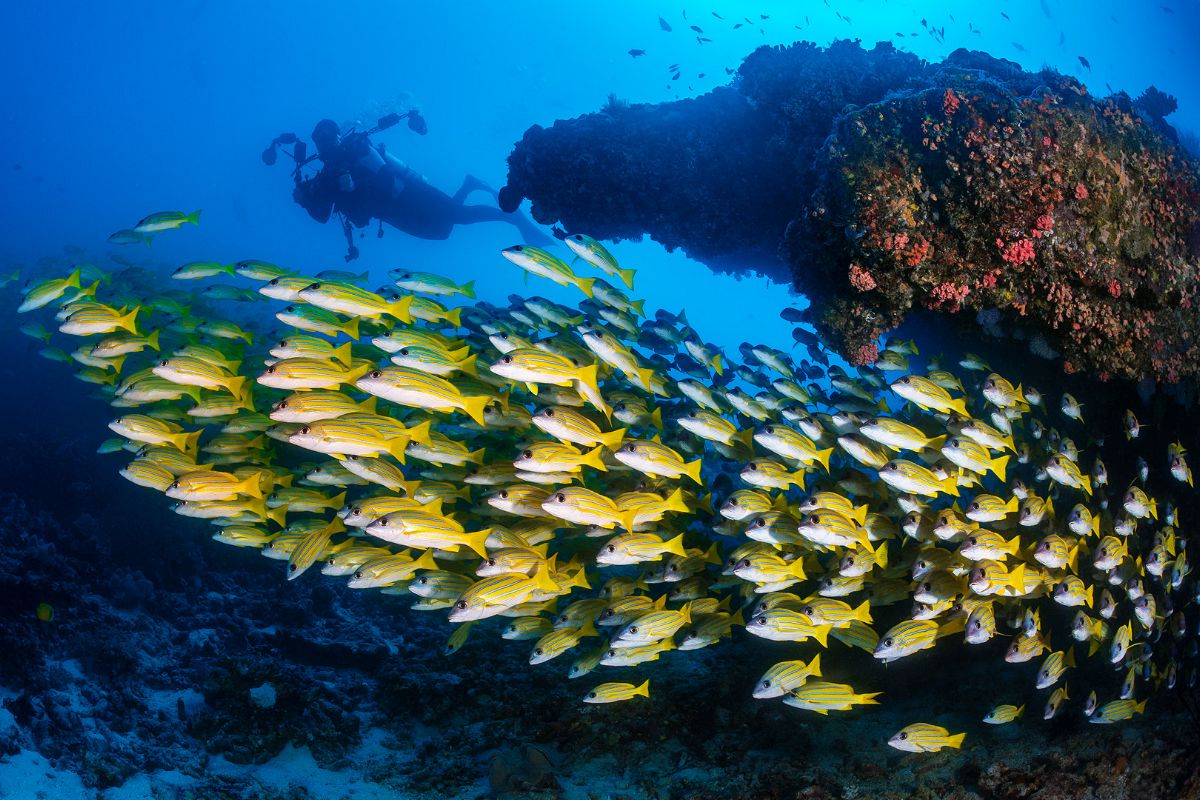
{"x":761,"y":522}
{"x":560,"y":497}
{"x":744,"y":563}
{"x":503,"y":494}
{"x":903,"y":736}
{"x":691,"y":415}
{"x":304,"y":431}
{"x":175,"y":485}
{"x":752,"y":467}
{"x":972,"y":542}
{"x":423,"y":580}
{"x":281,"y":404}
{"x":633,"y":629}
{"x":537,"y":652}
{"x":376,"y":374}
{"x":631,"y":448}
{"x":507,"y":359}
{"x":732,"y":502}
{"x":358,"y":574}
{"x":403,"y":351}
{"x":612,"y":548}
{"x":382,"y":521}
{"x":927,"y":586}
{"x":312,"y":286}
{"x":770,"y":429}
{"x":1045,"y":673}
{"x":527,"y":454}
{"x":461,"y":604}
{"x":270,"y":369}
{"x":549,"y":412}
{"x":888,"y":642}
{"x":517,"y":248}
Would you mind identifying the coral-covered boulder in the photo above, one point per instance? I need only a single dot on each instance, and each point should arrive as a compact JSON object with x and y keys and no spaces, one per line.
{"x":882,"y":185}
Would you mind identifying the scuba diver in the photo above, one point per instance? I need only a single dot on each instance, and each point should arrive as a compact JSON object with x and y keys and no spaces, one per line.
{"x":360,"y":181}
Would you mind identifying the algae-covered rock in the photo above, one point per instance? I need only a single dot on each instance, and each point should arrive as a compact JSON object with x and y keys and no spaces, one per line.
{"x":882,"y":185}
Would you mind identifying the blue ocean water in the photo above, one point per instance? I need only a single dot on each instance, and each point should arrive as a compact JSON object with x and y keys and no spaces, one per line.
{"x":117,"y":111}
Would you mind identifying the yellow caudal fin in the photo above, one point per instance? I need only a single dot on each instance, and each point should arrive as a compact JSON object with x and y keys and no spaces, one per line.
{"x":638,"y":306}
{"x":235,"y":384}
{"x":1093,"y":647}
{"x":1019,"y":712}
{"x":959,"y":407}
{"x":1000,"y":466}
{"x":1016,"y":578}
{"x":129,"y":321}
{"x":350,"y":328}
{"x":644,"y":689}
{"x":1069,"y":658}
{"x":718,"y":364}
{"x":402,"y":309}
{"x":676,"y":502}
{"x":337,"y":501}
{"x":542,"y":580}
{"x":476,"y":540}
{"x":613,"y":439}
{"x":468,"y":289}
{"x":936,"y":442}
{"x":814,"y":666}
{"x":656,"y":418}
{"x":454,"y":317}
{"x":579,"y":580}
{"x":468,"y":364}
{"x":276,"y":515}
{"x":627,"y":278}
{"x":675,"y":546}
{"x":73,"y":278}
{"x":425,"y":561}
{"x":397,"y":446}
{"x":863,"y":612}
{"x":252,"y":486}
{"x":1139,"y":708}
{"x":592,"y":458}
{"x":342,"y":354}
{"x":798,"y":478}
{"x":823,"y":457}
{"x":692,"y":470}
{"x":950,"y":486}
{"x":352,"y":375}
{"x":152,"y":340}
{"x":193,"y":217}
{"x":881,"y":555}
{"x":474,"y":406}
{"x":1012,"y":505}
{"x":368,"y":406}
{"x":585,"y":285}
{"x":627,"y":520}
{"x":420,"y":433}
{"x":645,"y":375}
{"x":1087,"y":595}
{"x":589,"y":377}
{"x":1154,"y":509}
{"x":187,"y":442}
{"x":956,"y":740}
{"x":476,"y":456}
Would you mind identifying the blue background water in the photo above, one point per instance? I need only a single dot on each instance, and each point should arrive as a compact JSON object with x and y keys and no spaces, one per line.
{"x":116,"y":110}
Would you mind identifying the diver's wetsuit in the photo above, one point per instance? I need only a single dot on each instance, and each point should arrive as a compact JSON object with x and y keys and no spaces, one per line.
{"x":384,"y":188}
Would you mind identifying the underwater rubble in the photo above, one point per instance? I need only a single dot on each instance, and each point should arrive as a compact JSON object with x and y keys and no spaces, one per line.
{"x":884,"y":186}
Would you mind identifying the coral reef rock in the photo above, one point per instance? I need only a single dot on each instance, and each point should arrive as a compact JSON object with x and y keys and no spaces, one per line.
{"x":882,"y":186}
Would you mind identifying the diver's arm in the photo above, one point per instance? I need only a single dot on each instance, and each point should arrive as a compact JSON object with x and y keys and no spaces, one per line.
{"x":314,"y":199}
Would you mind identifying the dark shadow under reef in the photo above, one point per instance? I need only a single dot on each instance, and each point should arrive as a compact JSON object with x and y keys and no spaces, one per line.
{"x":882,"y":186}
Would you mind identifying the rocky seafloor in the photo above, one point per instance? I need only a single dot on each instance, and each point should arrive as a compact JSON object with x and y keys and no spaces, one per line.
{"x":177,"y":667}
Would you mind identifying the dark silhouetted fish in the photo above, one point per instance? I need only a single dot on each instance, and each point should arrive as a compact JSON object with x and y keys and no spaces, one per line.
{"x":637,"y":53}
{"x":1085,"y":63}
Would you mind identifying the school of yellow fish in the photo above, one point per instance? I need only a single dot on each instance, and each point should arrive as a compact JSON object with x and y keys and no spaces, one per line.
{"x":611,"y":489}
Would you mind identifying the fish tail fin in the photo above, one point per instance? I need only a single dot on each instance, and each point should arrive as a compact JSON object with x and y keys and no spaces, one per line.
{"x":881,"y":555}
{"x":589,"y":377}
{"x":368,"y":406}
{"x":1096,"y":525}
{"x":542,"y":579}
{"x":73,"y":278}
{"x":956,"y":741}
{"x":342,"y":354}
{"x":656,"y":418}
{"x":936,"y":442}
{"x":612,"y":440}
{"x":798,"y":478}
{"x":402,"y":309}
{"x":863,"y":612}
{"x":152,"y":340}
{"x":129,"y":321}
{"x":1069,"y":658}
{"x":468,"y":364}
{"x":675,"y":502}
{"x":814,"y":666}
{"x":823,"y":457}
{"x":1139,"y":708}
{"x":454,"y":317}
{"x":353,"y":374}
{"x":869,"y":699}
{"x":474,"y":406}
{"x":336,"y":502}
{"x":645,"y":375}
{"x":425,"y":561}
{"x":351,"y":328}
{"x":627,"y":520}
{"x":235,"y":384}
{"x":476,"y":541}
{"x":1093,"y":647}
{"x":644,"y":689}
{"x":252,"y":486}
{"x":194,"y":217}
{"x":276,"y":515}
{"x":821,"y":634}
{"x":1073,"y":558}
{"x":1088,"y":595}
{"x":692,"y":470}
{"x":397,"y":446}
{"x":585,"y":285}
{"x":959,"y":407}
{"x":592,"y":458}
{"x":1016,"y":578}
{"x":476,"y":456}
{"x":627,"y":279}
{"x":675,"y":546}
{"x":638,"y":306}
{"x":1154,"y":509}
{"x":718,"y":365}
{"x":187,"y":442}
{"x":950,"y":486}
{"x":468,"y":289}
{"x":1000,"y":467}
